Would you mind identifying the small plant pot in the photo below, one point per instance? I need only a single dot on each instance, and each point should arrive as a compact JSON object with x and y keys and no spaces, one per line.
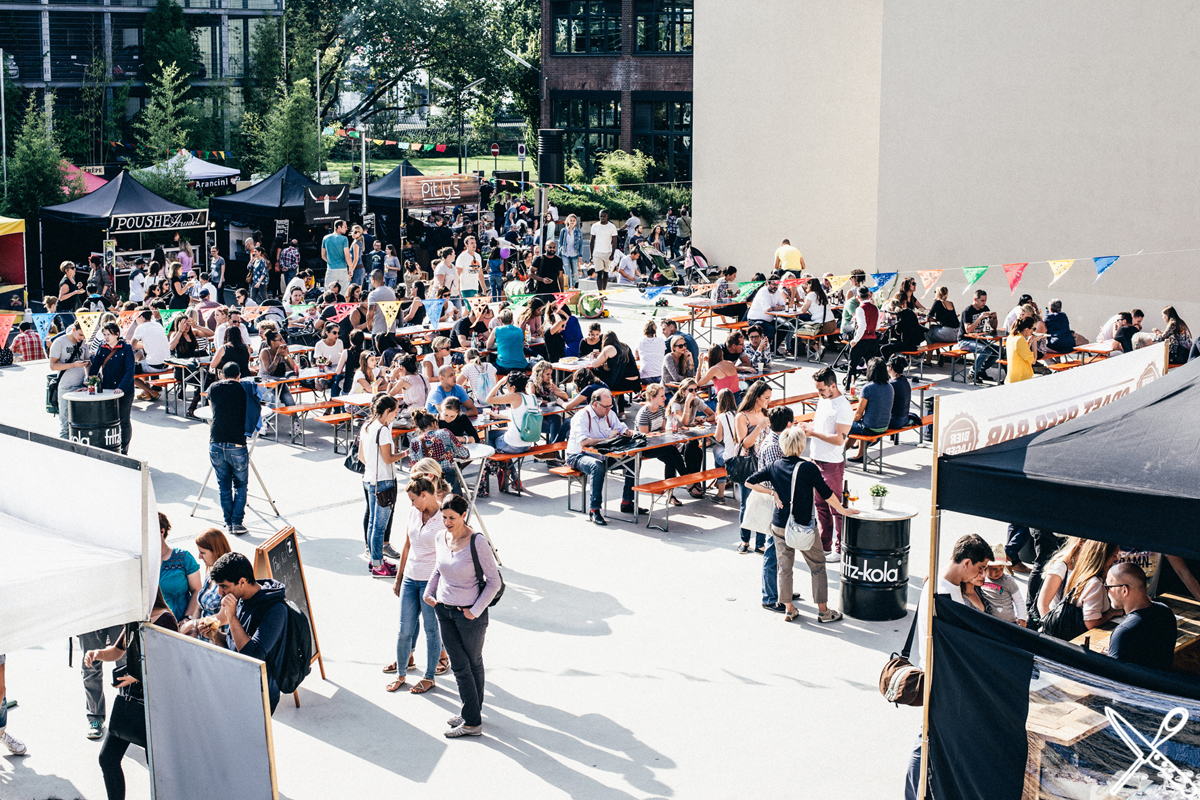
{"x":877,"y":503}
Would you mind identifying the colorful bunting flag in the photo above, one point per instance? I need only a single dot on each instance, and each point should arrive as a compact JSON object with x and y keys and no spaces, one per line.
{"x":747,"y":288}
{"x":1014,"y":272}
{"x":972,"y":274}
{"x":882,"y":279}
{"x":299,"y":308}
{"x":415,"y":146}
{"x":564,"y":298}
{"x":251,"y":313}
{"x":88,"y":320}
{"x":6,"y":323}
{"x":1102,"y":264}
{"x":838,"y":281}
{"x":402,"y":145}
{"x":703,"y":288}
{"x":478,"y":303}
{"x":429,"y":147}
{"x":390,"y":309}
{"x":518,"y":300}
{"x":928,"y":278}
{"x":43,"y":323}
{"x":126,"y":316}
{"x":1059,"y":268}
{"x":441,"y":148}
{"x":168,"y":314}
{"x":433,"y":310}
{"x":652,"y":294}
{"x":343,"y":310}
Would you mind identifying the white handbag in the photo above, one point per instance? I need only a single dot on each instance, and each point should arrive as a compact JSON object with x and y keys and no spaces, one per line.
{"x":796,"y":535}
{"x":760,"y":509}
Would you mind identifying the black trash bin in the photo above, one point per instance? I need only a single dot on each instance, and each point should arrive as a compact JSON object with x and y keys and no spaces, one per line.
{"x":94,"y":419}
{"x":875,"y":547}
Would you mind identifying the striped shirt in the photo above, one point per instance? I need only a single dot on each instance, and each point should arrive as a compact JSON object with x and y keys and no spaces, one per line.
{"x":654,"y":421}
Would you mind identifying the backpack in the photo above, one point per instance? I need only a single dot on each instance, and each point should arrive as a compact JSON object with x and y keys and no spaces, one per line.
{"x":296,"y":651}
{"x":1065,"y":621}
{"x":531,"y":425}
{"x":479,"y":579}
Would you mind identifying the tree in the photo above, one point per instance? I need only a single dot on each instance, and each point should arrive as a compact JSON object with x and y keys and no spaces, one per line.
{"x":168,"y":40}
{"x":168,"y":117}
{"x":80,"y":129}
{"x":290,"y":135}
{"x":36,"y":170}
{"x":169,"y":181}
{"x":265,"y":70}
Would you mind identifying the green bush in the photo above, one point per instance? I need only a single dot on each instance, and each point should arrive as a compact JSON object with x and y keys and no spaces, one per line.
{"x":587,"y":206}
{"x":624,"y":169}
{"x":670,"y":195}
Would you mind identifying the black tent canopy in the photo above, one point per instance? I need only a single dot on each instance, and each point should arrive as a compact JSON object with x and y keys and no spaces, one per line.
{"x":280,"y":196}
{"x":385,"y":192}
{"x":1127,"y":473}
{"x":122,"y":195}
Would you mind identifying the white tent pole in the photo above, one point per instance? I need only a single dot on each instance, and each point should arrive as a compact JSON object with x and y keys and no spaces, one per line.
{"x":935,"y":536}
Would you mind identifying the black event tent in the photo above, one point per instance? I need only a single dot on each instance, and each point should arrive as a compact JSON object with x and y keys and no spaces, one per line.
{"x":385,"y":192}
{"x":1128,"y":473}
{"x":281,"y":196}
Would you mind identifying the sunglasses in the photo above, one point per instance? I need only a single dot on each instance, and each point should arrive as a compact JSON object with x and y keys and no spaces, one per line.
{"x":691,"y":391}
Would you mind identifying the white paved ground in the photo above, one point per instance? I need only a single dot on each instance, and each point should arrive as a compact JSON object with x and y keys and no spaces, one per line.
{"x":622,"y":662}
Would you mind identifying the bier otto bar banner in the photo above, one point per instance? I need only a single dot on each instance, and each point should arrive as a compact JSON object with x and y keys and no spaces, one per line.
{"x":147,"y":223}
{"x":971,"y":420}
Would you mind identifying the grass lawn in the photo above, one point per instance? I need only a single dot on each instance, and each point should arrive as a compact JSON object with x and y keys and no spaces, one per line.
{"x":434,"y":165}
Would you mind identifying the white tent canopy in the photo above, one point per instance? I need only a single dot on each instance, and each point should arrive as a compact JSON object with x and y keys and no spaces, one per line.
{"x":79,"y":538}
{"x":199,"y":170}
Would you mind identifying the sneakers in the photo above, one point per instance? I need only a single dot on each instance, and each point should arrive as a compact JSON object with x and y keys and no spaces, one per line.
{"x":238,"y":530}
{"x":833,"y":557}
{"x":384,"y":570}
{"x":455,"y":721}
{"x":18,"y":748}
{"x":743,"y":548}
{"x":390,"y":552}
{"x":627,"y":508}
{"x":95,"y":729}
{"x":460,"y":731}
{"x":829,"y":615}
{"x":596,"y":518}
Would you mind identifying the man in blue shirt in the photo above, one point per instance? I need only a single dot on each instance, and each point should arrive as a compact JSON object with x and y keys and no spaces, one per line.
{"x":335,"y":252}
{"x":446,"y":387}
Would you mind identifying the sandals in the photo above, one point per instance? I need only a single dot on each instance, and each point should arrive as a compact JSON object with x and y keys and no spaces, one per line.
{"x":443,"y":665}
{"x":394,"y":686}
{"x":829,"y":615}
{"x":743,"y":548}
{"x":423,"y":686}
{"x":390,"y":669}
{"x":675,"y":501}
{"x":696,"y":492}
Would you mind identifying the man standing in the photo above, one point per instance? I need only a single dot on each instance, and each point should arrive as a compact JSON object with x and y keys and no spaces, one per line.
{"x":256,"y":613}
{"x":93,"y":676}
{"x":602,"y":242}
{"x":438,"y":236}
{"x":375,"y":256}
{"x":470,"y":268}
{"x":595,"y":423}
{"x":548,"y":269}
{"x":631,"y":225}
{"x":289,"y":262}
{"x":259,"y":274}
{"x":865,"y":344}
{"x":380,"y":293}
{"x":335,"y":252}
{"x":217,"y":268}
{"x":685,"y":227}
{"x":234,"y":410}
{"x":828,"y":431}
{"x":672,"y":232}
{"x":977,"y":318}
{"x":788,"y":258}
{"x":68,"y":355}
{"x":1146,"y":636}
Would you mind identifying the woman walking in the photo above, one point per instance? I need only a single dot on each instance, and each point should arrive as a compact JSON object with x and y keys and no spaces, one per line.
{"x":377,"y":453}
{"x":461,"y":601}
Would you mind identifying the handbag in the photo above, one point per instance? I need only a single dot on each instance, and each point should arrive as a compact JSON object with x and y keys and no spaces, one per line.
{"x":797,"y":535}
{"x":479,"y":574}
{"x":128,"y":720}
{"x":1065,"y":620}
{"x":760,"y":510}
{"x":742,"y":466}
{"x":351,"y":461}
{"x":900,"y":682}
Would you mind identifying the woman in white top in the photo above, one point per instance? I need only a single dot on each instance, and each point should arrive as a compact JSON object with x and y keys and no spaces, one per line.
{"x":652,"y":349}
{"x":726,"y":434}
{"x":417,"y":560}
{"x":440,"y":357}
{"x":1076,"y":574}
{"x":409,"y":383}
{"x":510,"y":391}
{"x":478,"y":376}
{"x":377,"y":454}
{"x":815,"y":303}
{"x":368,"y":378}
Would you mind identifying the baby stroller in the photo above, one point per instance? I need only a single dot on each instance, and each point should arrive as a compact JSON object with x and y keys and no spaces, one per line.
{"x":696,"y":267}
{"x":660,"y":271}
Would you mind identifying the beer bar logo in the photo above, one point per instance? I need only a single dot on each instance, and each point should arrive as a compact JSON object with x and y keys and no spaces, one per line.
{"x":324,"y":204}
{"x":961,"y":435}
{"x":1149,"y":375}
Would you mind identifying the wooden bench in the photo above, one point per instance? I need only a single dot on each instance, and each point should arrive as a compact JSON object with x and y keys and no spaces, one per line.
{"x":573,"y":476}
{"x":805,"y":400}
{"x":658,"y":488}
{"x":298,"y":413}
{"x":517,"y":459}
{"x":734,"y":326}
{"x":877,"y":461}
{"x":340,"y":422}
{"x":171,"y":388}
{"x":921,"y":352}
{"x":1063,"y":366}
{"x":958,"y":362}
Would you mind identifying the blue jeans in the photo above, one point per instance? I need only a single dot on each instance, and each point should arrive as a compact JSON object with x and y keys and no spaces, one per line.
{"x":379,"y":516}
{"x":760,"y":539}
{"x":495,"y":438}
{"x":496,"y":284}
{"x":258,"y":293}
{"x":359,"y":276}
{"x":413,"y":612}
{"x":719,"y":460}
{"x":596,"y":468}
{"x":770,"y":579}
{"x":571,"y":267}
{"x":231,"y":463}
{"x":554,"y":428}
{"x":985,"y":355}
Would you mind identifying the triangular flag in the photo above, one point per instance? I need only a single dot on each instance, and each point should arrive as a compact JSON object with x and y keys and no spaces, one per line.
{"x":478,"y":303}
{"x":791,"y":282}
{"x":6,"y":323}
{"x":415,"y":146}
{"x":705,"y":288}
{"x":88,"y":320}
{"x":1059,"y":268}
{"x":252,"y":313}
{"x":429,"y":146}
{"x":343,"y":310}
{"x":653,"y":293}
{"x":43,"y":323}
{"x":1102,"y":264}
{"x":1014,"y":273}
{"x":433,"y":310}
{"x":928,"y":278}
{"x":168,"y":314}
{"x":882,"y":279}
{"x":973,"y":274}
{"x":838,"y":281}
{"x":402,"y":145}
{"x":565,"y":298}
{"x":517,"y":300}
{"x":748,"y":288}
{"x":441,"y":148}
{"x":377,"y":141}
{"x":299,"y":308}
{"x":390,"y":309}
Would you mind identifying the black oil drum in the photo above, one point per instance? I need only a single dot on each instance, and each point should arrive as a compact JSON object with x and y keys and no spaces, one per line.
{"x":94,"y":419}
{"x":875,"y":546}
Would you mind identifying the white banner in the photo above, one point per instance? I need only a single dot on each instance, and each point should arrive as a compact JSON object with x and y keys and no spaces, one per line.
{"x":970,"y":420}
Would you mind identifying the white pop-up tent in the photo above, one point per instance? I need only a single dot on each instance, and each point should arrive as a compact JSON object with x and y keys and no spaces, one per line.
{"x":201,"y":173}
{"x":78,"y":538}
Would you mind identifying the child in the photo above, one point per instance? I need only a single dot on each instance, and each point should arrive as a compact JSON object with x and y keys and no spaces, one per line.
{"x":1001,"y":591}
{"x":452,"y":419}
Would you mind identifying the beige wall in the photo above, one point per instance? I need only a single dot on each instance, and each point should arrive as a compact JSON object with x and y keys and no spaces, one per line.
{"x":786,"y":122}
{"x":905,"y":136}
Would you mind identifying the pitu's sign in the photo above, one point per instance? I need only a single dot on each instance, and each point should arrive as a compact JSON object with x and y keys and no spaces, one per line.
{"x":432,"y":191}
{"x":146,"y":223}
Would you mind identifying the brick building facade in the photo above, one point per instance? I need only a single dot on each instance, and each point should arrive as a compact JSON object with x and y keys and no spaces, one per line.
{"x":617,"y":74}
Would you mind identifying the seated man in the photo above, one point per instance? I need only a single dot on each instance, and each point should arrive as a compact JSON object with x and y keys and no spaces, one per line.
{"x":447,"y":386}
{"x":472,"y":327}
{"x":151,"y":339}
{"x":1146,"y":636}
{"x":595,"y":423}
{"x":734,"y":350}
{"x":759,"y":348}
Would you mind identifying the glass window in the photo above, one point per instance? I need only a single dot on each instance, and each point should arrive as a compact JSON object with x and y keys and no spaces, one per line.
{"x":586,"y":26}
{"x":663,"y":26}
{"x":662,"y":129}
{"x":592,"y":123}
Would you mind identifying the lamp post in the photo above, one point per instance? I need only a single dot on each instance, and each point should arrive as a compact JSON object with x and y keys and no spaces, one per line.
{"x":459,"y":91}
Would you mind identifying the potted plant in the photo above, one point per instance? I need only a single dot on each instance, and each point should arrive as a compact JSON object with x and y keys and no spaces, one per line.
{"x":93,"y":384}
{"x":878,"y":492}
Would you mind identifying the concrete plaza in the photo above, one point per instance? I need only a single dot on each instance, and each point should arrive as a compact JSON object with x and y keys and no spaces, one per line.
{"x":623,"y":662}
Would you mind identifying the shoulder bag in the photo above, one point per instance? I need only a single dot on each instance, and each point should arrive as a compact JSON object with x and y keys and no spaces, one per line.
{"x":479,"y":579}
{"x":743,"y":465}
{"x":1065,"y":620}
{"x":760,"y":511}
{"x":351,"y":462}
{"x":55,"y":378}
{"x":386,"y":498}
{"x":796,"y":535}
{"x":901,"y":682}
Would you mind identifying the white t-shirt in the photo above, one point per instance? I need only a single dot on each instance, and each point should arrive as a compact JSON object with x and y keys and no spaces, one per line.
{"x":480,"y":380}
{"x":449,"y":277}
{"x":512,"y":434}
{"x":154,"y":341}
{"x":422,"y":544}
{"x":432,"y":360}
{"x":943,"y":587}
{"x":417,"y":391}
{"x":764,"y":299}
{"x":553,"y":212}
{"x":381,"y":294}
{"x":1109,"y":331}
{"x":137,"y":286}
{"x":631,"y":224}
{"x":470,"y":265}
{"x":815,"y":309}
{"x":331,"y":352}
{"x":376,"y":469}
{"x":626,"y":268}
{"x":605,"y":236}
{"x":652,"y":350}
{"x":1012,"y":317}
{"x":830,"y":413}
{"x":219,"y":334}
{"x":60,"y":349}
{"x":727,"y":428}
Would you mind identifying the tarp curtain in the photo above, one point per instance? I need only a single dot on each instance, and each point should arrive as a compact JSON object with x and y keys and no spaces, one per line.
{"x":1125,"y":473}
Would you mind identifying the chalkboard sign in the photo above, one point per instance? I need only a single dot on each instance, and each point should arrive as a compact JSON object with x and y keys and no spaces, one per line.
{"x":279,"y":558}
{"x":281,"y":228}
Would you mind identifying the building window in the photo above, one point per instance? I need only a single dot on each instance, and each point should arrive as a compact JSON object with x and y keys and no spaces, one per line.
{"x":662,"y":129}
{"x":592,"y":122}
{"x":587,"y":26}
{"x":663,"y":26}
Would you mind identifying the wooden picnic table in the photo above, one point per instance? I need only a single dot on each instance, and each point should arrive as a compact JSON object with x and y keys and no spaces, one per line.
{"x":1187,"y":638}
{"x":1096,"y":351}
{"x":702,"y":304}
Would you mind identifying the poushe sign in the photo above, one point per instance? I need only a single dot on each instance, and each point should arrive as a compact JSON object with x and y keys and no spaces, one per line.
{"x":324,"y":204}
{"x":147,"y":223}
{"x":432,"y":191}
